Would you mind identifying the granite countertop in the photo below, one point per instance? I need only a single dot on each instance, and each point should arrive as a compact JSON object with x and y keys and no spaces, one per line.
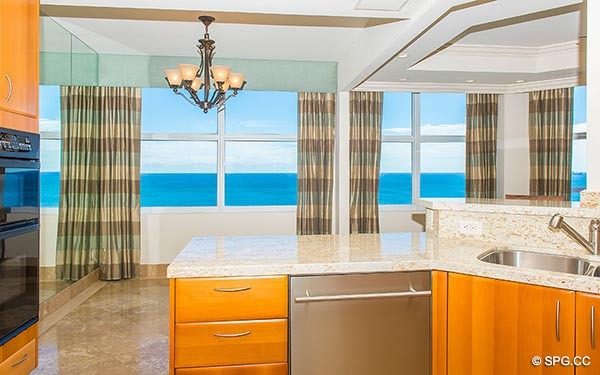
{"x":357,"y":253}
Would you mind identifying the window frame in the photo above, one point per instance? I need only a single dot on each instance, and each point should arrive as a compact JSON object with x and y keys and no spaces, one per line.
{"x":416,"y":139}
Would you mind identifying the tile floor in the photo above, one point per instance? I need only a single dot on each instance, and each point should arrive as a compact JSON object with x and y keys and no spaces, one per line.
{"x":121,"y":329}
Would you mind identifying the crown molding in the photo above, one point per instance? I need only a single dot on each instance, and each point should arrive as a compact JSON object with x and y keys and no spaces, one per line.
{"x":499,"y":50}
{"x":512,"y":88}
{"x":509,"y":59}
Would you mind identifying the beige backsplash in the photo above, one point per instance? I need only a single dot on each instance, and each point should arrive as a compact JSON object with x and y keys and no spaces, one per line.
{"x":519,"y":230}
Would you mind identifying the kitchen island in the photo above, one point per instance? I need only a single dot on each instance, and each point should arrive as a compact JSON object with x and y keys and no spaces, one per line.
{"x":358,"y":253}
{"x":233,"y":301}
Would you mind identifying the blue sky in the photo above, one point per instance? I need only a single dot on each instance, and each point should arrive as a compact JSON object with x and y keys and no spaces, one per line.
{"x":276,"y":112}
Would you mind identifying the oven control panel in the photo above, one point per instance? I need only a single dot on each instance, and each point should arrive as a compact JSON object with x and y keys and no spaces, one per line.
{"x":18,"y":144}
{"x":14,"y":143}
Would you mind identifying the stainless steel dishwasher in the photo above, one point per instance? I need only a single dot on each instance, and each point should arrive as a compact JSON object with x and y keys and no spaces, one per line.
{"x":359,"y":324}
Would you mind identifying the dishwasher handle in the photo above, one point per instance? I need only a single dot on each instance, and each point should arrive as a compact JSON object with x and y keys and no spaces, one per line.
{"x":361,"y":296}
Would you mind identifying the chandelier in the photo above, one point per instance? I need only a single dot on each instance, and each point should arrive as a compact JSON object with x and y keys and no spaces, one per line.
{"x":198,"y":80}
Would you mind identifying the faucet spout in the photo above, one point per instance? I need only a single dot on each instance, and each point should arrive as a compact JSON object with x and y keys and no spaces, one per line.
{"x":558,"y":223}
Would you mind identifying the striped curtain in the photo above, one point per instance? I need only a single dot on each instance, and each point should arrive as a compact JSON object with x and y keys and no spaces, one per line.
{"x":482,"y":126}
{"x":99,"y":210}
{"x":365,"y":157}
{"x":316,"y":142}
{"x":551,"y":142}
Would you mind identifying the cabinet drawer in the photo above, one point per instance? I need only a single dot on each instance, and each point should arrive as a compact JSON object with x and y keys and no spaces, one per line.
{"x":222,"y":299}
{"x":269,"y":369}
{"x":20,"y":363}
{"x":230,"y":343}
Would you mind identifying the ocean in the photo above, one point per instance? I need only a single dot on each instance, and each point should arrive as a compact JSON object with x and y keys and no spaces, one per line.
{"x":278,"y":189}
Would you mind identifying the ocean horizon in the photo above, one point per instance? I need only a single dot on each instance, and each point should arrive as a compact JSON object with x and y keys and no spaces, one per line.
{"x":277,"y":189}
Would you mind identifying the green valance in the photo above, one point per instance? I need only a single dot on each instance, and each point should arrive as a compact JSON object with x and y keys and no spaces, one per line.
{"x":91,"y":69}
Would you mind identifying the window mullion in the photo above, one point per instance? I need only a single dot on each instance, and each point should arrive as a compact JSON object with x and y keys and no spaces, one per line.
{"x":221,"y":117}
{"x":416,"y":147}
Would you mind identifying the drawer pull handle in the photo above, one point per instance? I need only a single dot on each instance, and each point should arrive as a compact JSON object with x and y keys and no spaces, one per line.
{"x":557,"y":328}
{"x":21,"y":361}
{"x":232,"y":335}
{"x":10,"y":88}
{"x":593,"y":327}
{"x":232,"y":290}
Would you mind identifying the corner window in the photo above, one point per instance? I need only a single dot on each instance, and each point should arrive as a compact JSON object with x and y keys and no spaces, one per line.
{"x":579,"y":175}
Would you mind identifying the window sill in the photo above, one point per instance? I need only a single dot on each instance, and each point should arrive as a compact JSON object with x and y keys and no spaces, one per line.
{"x":216,"y":210}
{"x":194,"y":210}
{"x":401,"y":208}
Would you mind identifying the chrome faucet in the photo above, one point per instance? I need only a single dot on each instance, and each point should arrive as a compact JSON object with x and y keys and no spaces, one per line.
{"x":558,"y":223}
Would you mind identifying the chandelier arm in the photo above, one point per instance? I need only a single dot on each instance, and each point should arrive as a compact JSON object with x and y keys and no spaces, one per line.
{"x":186,"y":98}
{"x":215,"y":96}
{"x":194,"y":96}
{"x":208,"y":60}
{"x":228,"y":97}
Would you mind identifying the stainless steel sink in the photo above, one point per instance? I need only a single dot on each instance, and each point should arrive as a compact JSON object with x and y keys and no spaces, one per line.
{"x":540,"y":261}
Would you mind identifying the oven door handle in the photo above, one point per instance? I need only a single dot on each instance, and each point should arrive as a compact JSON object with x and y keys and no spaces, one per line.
{"x":4,"y":234}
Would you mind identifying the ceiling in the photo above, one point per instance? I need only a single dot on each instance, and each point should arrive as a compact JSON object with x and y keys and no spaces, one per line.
{"x":536,"y":33}
{"x":167,"y":38}
{"x":353,"y":8}
{"x":446,"y":41}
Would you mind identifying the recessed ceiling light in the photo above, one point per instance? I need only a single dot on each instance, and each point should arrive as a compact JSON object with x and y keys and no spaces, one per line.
{"x":519,"y":81}
{"x":402,"y":55}
{"x":469,"y":80}
{"x":403,"y":79}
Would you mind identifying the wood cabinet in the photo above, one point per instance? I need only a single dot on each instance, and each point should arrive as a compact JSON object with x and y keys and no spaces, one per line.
{"x":439,"y":322}
{"x":497,"y":327}
{"x":19,"y":60}
{"x":587,"y":337}
{"x":231,"y":343}
{"x":19,"y":355}
{"x":268,"y":369}
{"x":230,"y":298}
{"x":229,"y":326}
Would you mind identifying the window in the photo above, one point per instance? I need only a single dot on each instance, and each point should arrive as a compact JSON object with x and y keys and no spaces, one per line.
{"x":423,"y":148}
{"x":179,"y":152}
{"x":242,"y":155}
{"x":395,"y":184}
{"x":443,"y":169}
{"x":579,"y":176}
{"x":49,"y":145}
{"x":260,"y":173}
{"x":253,"y":138}
{"x":261,"y":149}
{"x":178,"y":173}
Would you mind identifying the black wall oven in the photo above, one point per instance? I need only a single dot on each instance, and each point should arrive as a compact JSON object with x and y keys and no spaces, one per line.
{"x":19,"y":231}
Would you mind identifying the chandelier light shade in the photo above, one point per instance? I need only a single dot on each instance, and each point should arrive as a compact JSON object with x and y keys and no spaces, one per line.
{"x":207,"y":85}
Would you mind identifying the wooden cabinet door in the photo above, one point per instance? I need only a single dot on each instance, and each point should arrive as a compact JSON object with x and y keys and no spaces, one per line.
{"x":496,"y":327}
{"x":439,"y":323}
{"x":19,"y":24}
{"x":587,"y":337}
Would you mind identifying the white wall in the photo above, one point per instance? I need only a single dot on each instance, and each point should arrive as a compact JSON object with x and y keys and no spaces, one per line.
{"x":48,"y":230}
{"x":513,"y":144}
{"x":166,"y":231}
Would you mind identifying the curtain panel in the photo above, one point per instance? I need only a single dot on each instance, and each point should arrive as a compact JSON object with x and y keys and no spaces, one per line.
{"x":365,"y":157}
{"x":99,"y":209}
{"x":551,"y":142}
{"x":482,"y":126}
{"x":316,"y":150}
